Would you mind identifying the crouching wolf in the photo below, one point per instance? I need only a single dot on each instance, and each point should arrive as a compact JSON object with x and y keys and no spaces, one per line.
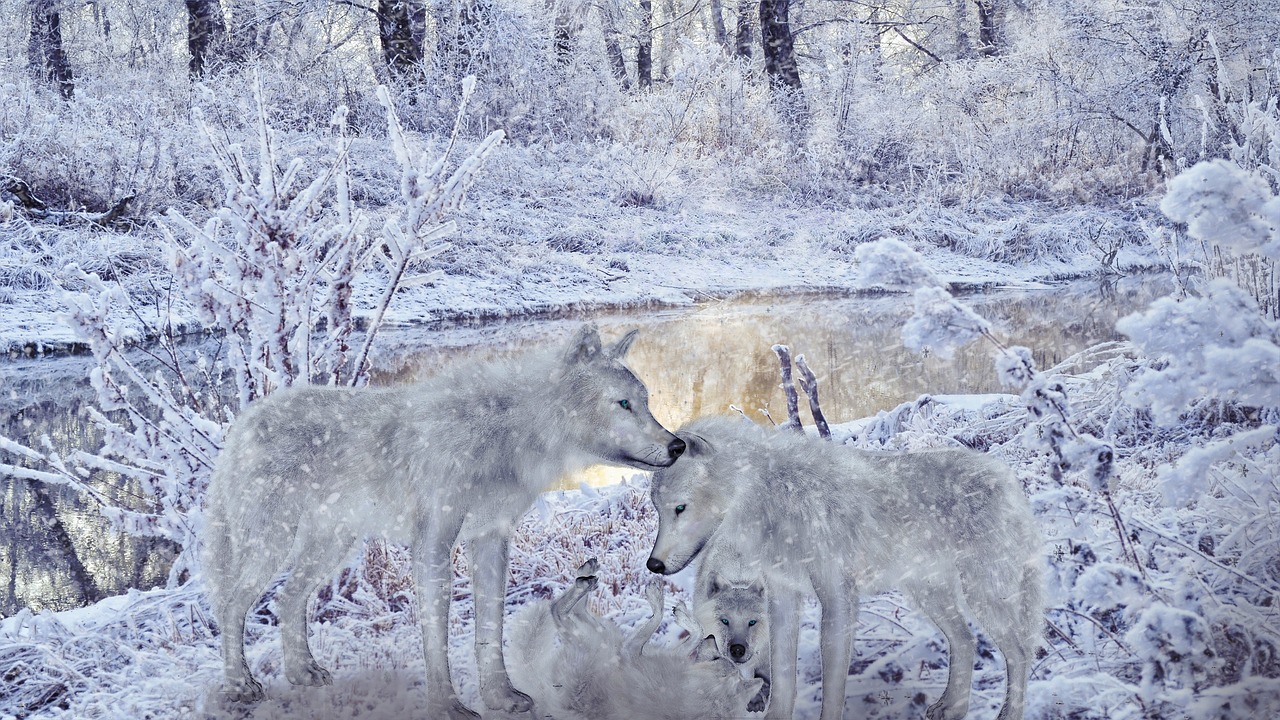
{"x":950,"y":528}
{"x":579,"y":667}
{"x":309,"y":471}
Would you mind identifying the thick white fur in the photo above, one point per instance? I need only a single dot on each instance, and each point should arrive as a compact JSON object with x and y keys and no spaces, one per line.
{"x":950,"y":528}
{"x":580,"y":667}
{"x":308,"y":472}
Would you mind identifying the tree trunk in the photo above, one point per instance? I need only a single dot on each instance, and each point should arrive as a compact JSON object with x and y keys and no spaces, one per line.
{"x":777,"y":44}
{"x":612,"y":46}
{"x":964,"y":44}
{"x":989,"y":27}
{"x":45,"y":54}
{"x":742,"y":38}
{"x":717,"y":25}
{"x":473,"y":25}
{"x":401,"y":28}
{"x":564,"y":28}
{"x":644,"y":51}
{"x":206,"y":29}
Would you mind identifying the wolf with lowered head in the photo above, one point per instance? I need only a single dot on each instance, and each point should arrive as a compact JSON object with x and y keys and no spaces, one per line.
{"x":310,"y":471}
{"x":950,"y":528}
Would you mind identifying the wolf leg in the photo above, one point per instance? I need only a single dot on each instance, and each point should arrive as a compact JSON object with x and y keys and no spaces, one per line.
{"x":313,"y":560}
{"x":235,"y":590}
{"x":489,"y":586}
{"x":839,"y":618}
{"x":566,"y":610}
{"x":1017,"y":638}
{"x":433,"y":576}
{"x":784,"y":644}
{"x":634,"y":645}
{"x":230,"y":610}
{"x":941,"y":605}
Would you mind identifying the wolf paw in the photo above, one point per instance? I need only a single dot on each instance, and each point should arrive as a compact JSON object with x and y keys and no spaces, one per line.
{"x":309,"y":674}
{"x":945,"y":710}
{"x":247,"y":690}
{"x":509,"y":700}
{"x":453,"y":710}
{"x":588,"y":568}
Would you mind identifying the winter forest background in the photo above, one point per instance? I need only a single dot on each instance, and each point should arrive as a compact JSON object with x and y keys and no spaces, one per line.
{"x":202,"y":202}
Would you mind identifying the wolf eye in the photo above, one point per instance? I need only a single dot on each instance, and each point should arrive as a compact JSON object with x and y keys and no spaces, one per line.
{"x":724,"y":620}
{"x":751,"y":623}
{"x":679,"y":509}
{"x":626,"y":404}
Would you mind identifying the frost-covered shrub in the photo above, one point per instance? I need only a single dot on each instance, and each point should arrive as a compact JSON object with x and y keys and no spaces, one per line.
{"x":272,"y":275}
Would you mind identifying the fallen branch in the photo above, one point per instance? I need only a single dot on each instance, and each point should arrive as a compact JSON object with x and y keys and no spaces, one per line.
{"x":37,"y":209}
{"x":789,"y":388}
{"x":809,"y":383}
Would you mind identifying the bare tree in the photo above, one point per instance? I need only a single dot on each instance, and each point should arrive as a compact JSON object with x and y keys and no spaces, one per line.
{"x":777,"y":44}
{"x":45,"y":54}
{"x":990,"y":26}
{"x":609,"y":13}
{"x":742,"y":34}
{"x":717,"y":25}
{"x":644,"y":50}
{"x":206,"y":30}
{"x":401,"y":30}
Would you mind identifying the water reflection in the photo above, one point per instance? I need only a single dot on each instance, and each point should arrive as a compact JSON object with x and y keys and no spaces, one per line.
{"x":57,"y":551}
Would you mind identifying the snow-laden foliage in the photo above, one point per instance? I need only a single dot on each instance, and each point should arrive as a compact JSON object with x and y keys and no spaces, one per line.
{"x":893,"y":265}
{"x":1214,"y":347}
{"x":271,"y":276}
{"x":1223,"y":204}
{"x":941,"y":324}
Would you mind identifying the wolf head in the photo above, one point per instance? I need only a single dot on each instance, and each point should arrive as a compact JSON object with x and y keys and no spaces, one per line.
{"x":691,"y":498}
{"x":610,"y":406}
{"x":735,"y":615}
{"x":707,"y":655}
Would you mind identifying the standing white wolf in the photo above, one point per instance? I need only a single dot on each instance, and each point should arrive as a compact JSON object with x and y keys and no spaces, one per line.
{"x":308,"y":472}
{"x":580,"y":667}
{"x":950,"y":528}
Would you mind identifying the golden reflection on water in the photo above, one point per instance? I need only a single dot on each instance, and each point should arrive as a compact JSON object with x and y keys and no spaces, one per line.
{"x":702,"y":360}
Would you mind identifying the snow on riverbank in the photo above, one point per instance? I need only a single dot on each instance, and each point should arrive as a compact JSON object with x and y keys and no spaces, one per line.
{"x":518,"y":251}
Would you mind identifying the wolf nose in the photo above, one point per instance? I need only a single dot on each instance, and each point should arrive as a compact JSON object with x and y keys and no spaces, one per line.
{"x":675,"y":448}
{"x":737,"y":650}
{"x":656,"y":566}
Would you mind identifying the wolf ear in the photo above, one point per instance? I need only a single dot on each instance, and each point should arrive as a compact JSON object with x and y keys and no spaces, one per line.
{"x":707,"y":649}
{"x":714,"y":585}
{"x":694,"y":444}
{"x":756,"y":587}
{"x":620,"y":348}
{"x":584,"y":347}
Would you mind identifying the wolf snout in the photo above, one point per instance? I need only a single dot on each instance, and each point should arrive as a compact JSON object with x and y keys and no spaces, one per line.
{"x":737,"y":651}
{"x":656,"y":566}
{"x":675,"y":448}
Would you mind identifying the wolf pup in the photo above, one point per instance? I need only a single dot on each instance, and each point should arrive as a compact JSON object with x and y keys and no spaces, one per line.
{"x":309,"y":471}
{"x":730,"y":603}
{"x":950,"y":528}
{"x":579,"y":667}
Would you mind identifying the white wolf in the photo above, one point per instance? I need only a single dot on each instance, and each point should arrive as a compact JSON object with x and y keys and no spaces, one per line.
{"x":579,"y":667}
{"x":950,"y":528}
{"x":731,"y":603}
{"x":309,"y":471}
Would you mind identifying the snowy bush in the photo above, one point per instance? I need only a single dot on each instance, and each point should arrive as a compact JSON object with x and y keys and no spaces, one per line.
{"x":272,"y":276}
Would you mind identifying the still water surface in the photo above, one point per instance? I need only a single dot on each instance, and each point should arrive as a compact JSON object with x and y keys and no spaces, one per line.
{"x":57,"y":552}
